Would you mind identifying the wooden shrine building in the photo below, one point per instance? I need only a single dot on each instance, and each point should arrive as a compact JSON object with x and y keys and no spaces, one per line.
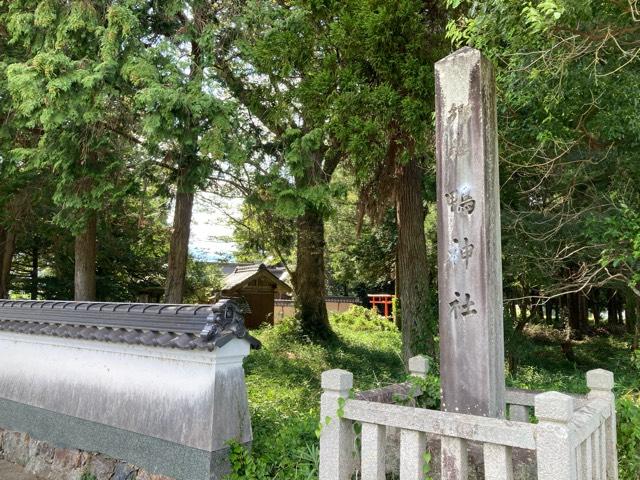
{"x":258,"y":286}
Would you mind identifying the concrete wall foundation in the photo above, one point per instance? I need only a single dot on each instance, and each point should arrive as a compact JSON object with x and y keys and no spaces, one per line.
{"x":50,"y":463}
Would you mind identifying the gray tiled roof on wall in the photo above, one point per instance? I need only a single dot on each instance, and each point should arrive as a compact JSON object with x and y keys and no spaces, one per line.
{"x":202,"y":327}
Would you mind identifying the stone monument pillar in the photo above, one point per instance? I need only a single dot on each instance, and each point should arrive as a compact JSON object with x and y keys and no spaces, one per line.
{"x":469,"y":251}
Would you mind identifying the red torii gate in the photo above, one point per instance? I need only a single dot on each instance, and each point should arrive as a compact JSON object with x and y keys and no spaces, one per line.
{"x":383,"y":299}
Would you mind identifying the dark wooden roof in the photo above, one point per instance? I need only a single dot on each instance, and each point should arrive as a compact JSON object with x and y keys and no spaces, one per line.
{"x":170,"y":326}
{"x":244,"y":274}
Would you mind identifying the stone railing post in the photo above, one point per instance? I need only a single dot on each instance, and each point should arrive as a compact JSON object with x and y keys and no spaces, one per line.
{"x":556,"y":449}
{"x":337,"y":440}
{"x":600,"y":383}
{"x":419,"y":366}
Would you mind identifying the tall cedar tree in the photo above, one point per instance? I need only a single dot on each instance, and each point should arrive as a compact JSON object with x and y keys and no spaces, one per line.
{"x":337,"y":81}
{"x":184,"y":121}
{"x":67,"y":88}
{"x":387,"y":51}
{"x":277,"y":60}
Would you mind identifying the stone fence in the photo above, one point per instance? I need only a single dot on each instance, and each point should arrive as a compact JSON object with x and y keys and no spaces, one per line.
{"x":159,"y":387}
{"x":574,"y":437}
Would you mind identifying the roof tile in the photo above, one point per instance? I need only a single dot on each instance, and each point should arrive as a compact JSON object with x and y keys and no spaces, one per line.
{"x":171,"y":326}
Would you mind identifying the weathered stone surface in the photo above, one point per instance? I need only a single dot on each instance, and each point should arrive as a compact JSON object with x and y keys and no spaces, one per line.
{"x":373,"y":440}
{"x":556,"y":441}
{"x":16,"y":447}
{"x":49,"y":463}
{"x":67,"y":459}
{"x":600,"y":379}
{"x":124,"y":471}
{"x":144,"y":475}
{"x":101,"y":466}
{"x":41,"y":449}
{"x":11,"y":471}
{"x":337,"y":460}
{"x":469,"y":250}
{"x":419,"y":366}
{"x":554,"y":407}
{"x":40,"y":458}
{"x":38,"y":466}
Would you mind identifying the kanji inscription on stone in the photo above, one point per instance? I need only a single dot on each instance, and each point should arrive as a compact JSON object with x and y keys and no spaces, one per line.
{"x":461,"y":251}
{"x":462,"y":307}
{"x":469,"y":252}
{"x":461,"y":201}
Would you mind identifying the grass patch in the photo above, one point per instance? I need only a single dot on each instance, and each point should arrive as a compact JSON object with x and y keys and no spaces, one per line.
{"x":283,"y":381}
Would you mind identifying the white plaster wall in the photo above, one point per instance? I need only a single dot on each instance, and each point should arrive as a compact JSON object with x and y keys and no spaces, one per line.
{"x":194,"y":398}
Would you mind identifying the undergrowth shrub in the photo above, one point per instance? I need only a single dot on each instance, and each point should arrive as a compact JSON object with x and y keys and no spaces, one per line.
{"x":283,"y":380}
{"x":362,"y":319}
{"x":628,"y":417}
{"x":297,"y":463}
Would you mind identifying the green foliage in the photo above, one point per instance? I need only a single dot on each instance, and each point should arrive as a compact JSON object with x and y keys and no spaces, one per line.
{"x":203,"y":279}
{"x":425,"y":391}
{"x":628,"y":417}
{"x":67,"y":102}
{"x":427,"y":465}
{"x":283,"y":380}
{"x":360,"y":262}
{"x":567,"y":73}
{"x":88,"y":476}
{"x":244,"y":465}
{"x":635,"y":359}
{"x":361,"y":319}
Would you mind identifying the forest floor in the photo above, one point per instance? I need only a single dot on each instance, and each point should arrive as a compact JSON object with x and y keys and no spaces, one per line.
{"x":283,"y":380}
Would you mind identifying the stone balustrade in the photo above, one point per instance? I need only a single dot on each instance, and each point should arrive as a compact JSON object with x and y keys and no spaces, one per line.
{"x":574,"y":437}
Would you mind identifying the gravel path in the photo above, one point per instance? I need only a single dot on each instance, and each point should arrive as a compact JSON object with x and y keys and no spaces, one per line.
{"x":9,"y":471}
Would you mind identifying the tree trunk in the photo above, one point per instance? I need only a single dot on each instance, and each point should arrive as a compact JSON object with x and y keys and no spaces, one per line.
{"x":397,"y":314}
{"x":179,"y":248}
{"x":635,"y":344}
{"x":575,"y":314}
{"x":620,"y":311}
{"x":85,"y":261}
{"x":583,"y":313}
{"x":35,"y":260}
{"x":3,"y":242}
{"x":413,"y":268}
{"x":595,"y":308}
{"x":513,"y":312}
{"x":537,"y":314}
{"x":548,"y":312}
{"x":523,"y":315}
{"x":612,"y":309}
{"x":7,"y":248}
{"x":309,"y":277}
{"x":631,"y":311}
